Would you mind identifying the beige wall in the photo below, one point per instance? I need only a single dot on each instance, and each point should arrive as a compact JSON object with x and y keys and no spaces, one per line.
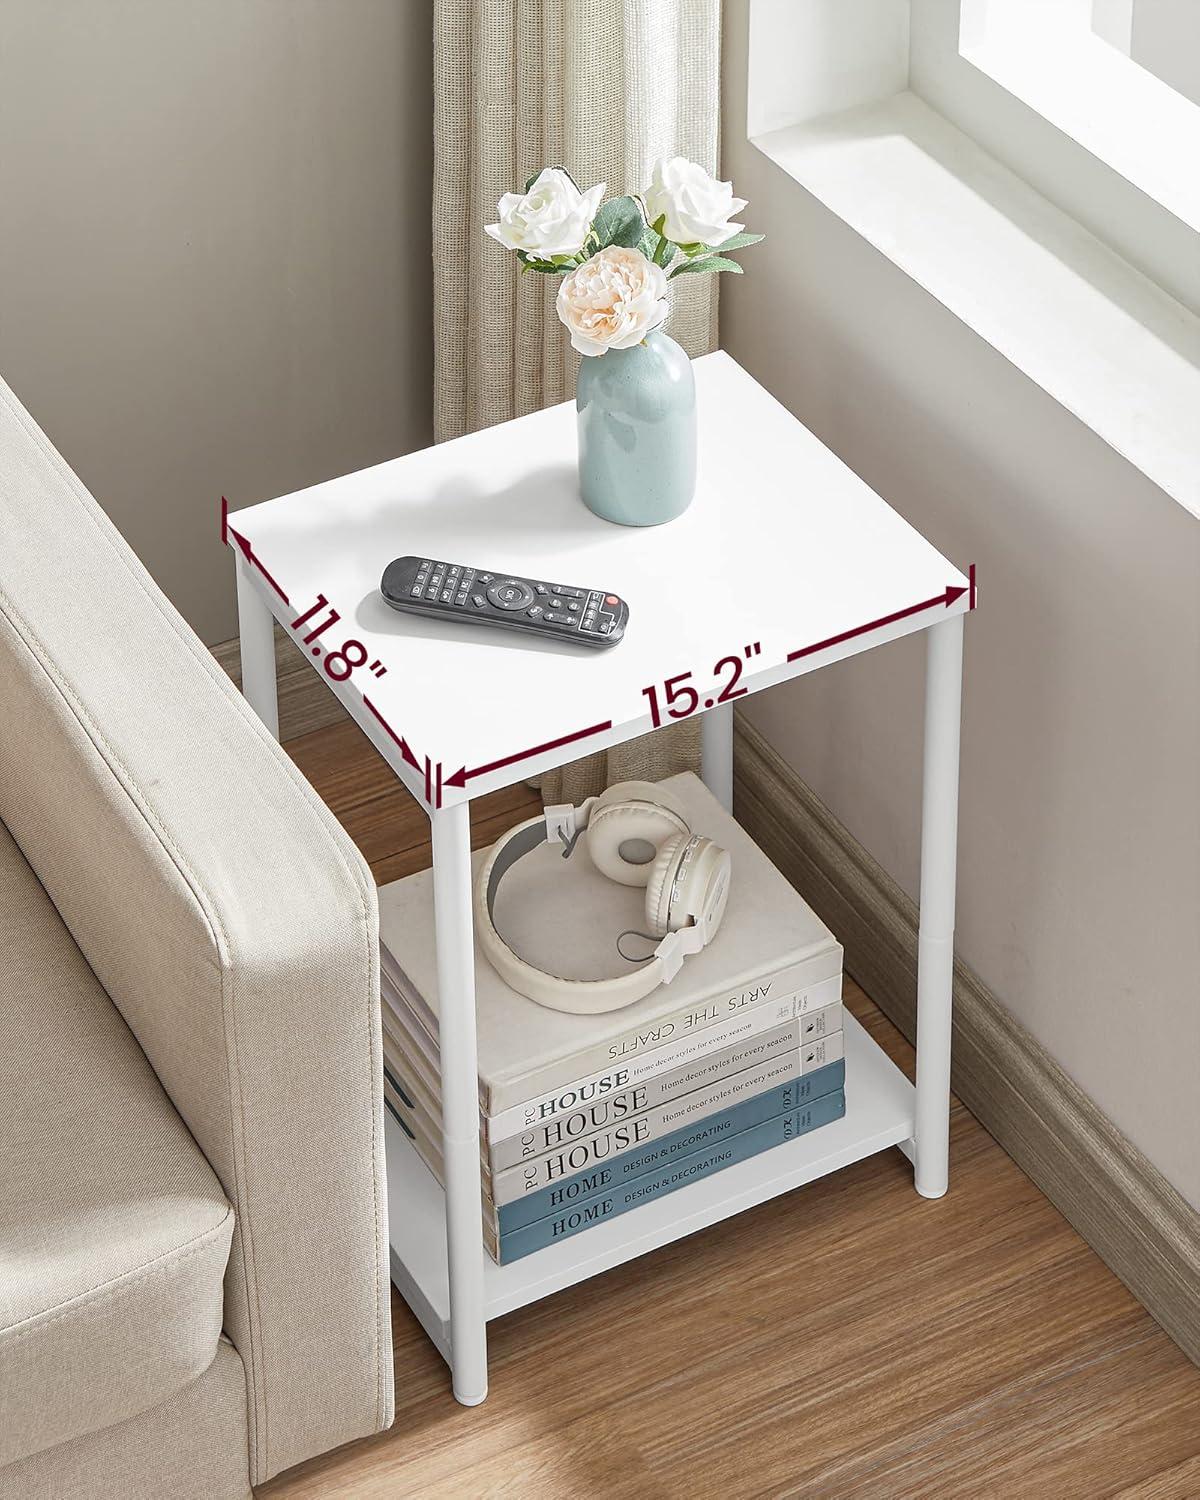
{"x":1079,"y":887}
{"x":215,"y":253}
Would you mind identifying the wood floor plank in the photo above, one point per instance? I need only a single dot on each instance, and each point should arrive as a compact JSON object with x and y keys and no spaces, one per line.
{"x":390,"y":828}
{"x":1129,"y":1410}
{"x":1179,"y":1482}
{"x":847,"y":1340}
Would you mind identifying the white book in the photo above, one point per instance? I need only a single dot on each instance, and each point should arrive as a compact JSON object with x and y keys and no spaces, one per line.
{"x":566,"y":917}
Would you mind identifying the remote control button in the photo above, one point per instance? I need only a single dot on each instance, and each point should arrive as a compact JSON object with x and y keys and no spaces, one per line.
{"x":485,"y":577}
{"x":447,"y":595}
{"x":536,"y":612}
{"x":556,"y":604}
{"x":572,"y":606}
{"x":510,"y":593}
{"x":611,"y":599}
{"x":541,"y":588}
{"x":460,"y":598}
{"x":560,"y":619}
{"x":478,"y":601}
{"x":570,"y":593}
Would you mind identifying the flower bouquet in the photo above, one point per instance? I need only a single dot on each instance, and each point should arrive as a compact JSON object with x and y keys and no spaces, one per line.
{"x":637,"y":424}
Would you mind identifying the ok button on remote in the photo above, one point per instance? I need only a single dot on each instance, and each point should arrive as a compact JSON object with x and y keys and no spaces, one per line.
{"x":510,"y":593}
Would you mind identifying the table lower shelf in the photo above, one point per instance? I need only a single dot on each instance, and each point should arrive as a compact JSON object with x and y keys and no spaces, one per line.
{"x":879,"y":1113}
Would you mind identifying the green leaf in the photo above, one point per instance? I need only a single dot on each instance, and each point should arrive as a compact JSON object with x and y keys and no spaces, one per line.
{"x":739,"y":242}
{"x":707,"y":263}
{"x":546,"y":267}
{"x":619,"y":222}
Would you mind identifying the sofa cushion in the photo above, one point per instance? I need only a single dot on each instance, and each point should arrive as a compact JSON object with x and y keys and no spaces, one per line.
{"x":114,"y":1232}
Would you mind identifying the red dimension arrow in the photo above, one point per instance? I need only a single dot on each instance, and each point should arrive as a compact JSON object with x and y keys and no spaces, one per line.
{"x":255,"y":561}
{"x":952,"y":593}
{"x":462,"y":776}
{"x":398,"y":739}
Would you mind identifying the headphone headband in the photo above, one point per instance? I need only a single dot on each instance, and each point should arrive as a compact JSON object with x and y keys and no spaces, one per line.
{"x":688,"y":879}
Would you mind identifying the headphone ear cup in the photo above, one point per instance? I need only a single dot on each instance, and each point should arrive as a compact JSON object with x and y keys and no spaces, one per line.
{"x":617,"y":830}
{"x":659,"y":882}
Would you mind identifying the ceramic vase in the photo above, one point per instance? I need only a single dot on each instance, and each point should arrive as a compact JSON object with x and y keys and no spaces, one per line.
{"x":636,"y":411}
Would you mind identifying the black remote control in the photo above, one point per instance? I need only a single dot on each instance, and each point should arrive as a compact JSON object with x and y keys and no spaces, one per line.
{"x":451,"y":591}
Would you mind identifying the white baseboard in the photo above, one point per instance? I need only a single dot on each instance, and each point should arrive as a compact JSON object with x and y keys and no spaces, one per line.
{"x":1113,"y":1196}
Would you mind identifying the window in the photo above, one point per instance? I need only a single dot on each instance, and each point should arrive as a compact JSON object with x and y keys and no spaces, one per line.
{"x":1072,"y":62}
{"x":1034,"y":165}
{"x":1092,"y":102}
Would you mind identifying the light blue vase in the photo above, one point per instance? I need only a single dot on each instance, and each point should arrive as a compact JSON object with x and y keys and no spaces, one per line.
{"x":637,"y":432}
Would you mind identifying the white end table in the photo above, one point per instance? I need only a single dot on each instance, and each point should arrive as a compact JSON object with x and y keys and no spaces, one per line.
{"x":785,"y":562}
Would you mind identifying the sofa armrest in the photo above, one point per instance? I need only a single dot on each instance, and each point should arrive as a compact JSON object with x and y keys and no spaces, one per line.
{"x":232,"y":922}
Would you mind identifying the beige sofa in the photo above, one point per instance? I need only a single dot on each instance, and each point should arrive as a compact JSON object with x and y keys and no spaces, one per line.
{"x":193,"y":1226}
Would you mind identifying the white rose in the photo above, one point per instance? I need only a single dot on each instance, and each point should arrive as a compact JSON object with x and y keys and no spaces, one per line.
{"x":552,"y":218}
{"x":613,"y":300}
{"x":697,"y":207}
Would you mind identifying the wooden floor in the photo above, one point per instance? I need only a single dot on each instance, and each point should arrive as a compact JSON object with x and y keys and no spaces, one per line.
{"x":849,"y":1339}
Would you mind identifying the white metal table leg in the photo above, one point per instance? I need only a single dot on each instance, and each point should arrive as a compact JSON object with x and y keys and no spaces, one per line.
{"x":716,"y":753}
{"x":256,"y":630}
{"x":460,"y":1099}
{"x":935,"y":947}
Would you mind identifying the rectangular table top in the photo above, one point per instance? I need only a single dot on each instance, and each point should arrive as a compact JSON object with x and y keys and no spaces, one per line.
{"x":785,"y":561}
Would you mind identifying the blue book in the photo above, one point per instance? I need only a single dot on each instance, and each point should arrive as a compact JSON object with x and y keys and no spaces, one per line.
{"x":673,"y":1174}
{"x":602,"y":1178}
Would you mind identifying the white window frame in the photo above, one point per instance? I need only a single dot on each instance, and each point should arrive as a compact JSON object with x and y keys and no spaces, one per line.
{"x":1048,"y":54}
{"x":1065,"y":266}
{"x":1109,"y":143}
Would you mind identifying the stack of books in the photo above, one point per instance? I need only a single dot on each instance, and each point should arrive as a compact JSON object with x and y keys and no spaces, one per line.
{"x":585,"y":1117}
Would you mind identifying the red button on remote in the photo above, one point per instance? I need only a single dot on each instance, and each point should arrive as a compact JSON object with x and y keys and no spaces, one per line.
{"x":611,"y":599}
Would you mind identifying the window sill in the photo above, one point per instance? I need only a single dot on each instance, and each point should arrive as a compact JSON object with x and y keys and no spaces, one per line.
{"x":1094,"y":333}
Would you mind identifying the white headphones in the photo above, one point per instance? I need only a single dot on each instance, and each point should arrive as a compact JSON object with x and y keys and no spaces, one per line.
{"x":637,"y":834}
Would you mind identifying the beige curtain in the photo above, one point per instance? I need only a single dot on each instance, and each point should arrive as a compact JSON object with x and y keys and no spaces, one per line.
{"x":603,"y":88}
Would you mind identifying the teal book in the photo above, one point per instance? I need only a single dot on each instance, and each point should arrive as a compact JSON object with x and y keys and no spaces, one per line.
{"x":672,"y":1175}
{"x":603,"y":1177}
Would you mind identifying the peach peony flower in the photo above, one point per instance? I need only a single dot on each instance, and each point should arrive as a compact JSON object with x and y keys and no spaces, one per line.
{"x":613,"y":300}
